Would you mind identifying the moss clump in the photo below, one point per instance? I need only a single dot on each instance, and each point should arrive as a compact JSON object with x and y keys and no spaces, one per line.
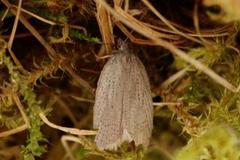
{"x":218,"y":142}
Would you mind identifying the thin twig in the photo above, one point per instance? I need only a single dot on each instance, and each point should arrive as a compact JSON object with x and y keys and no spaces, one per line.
{"x":14,"y":29}
{"x":78,"y":79}
{"x":14,"y":131}
{"x":11,"y":38}
{"x":64,"y":140}
{"x":5,"y":14}
{"x":161,"y":104}
{"x":82,"y":99}
{"x":73,"y":131}
{"x":22,"y":35}
{"x":126,"y":5}
{"x":173,"y":78}
{"x":49,"y":21}
{"x":21,"y":109}
{"x":196,"y":22}
{"x":66,"y":109}
{"x":167,"y":22}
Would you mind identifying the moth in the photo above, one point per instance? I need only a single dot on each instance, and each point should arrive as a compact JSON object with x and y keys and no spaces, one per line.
{"x":123,"y":104}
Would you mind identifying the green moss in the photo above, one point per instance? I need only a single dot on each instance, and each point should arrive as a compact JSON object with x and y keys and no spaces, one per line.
{"x":217,"y":143}
{"x":207,"y":55}
{"x":35,"y":137}
{"x":81,"y":36}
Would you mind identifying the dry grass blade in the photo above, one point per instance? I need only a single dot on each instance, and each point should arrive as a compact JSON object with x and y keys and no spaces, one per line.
{"x":196,"y":22}
{"x":173,"y":78}
{"x":21,"y":109}
{"x":10,"y":42}
{"x":161,"y":104}
{"x":207,"y":34}
{"x":11,"y":38}
{"x":118,"y":3}
{"x":78,"y":79}
{"x":14,"y":131}
{"x":66,"y":109}
{"x":138,"y":23}
{"x":4,"y":14}
{"x":73,"y":131}
{"x":167,"y":22}
{"x":106,"y":29}
{"x":22,"y":35}
{"x":80,"y":99}
{"x":49,"y":21}
{"x":64,"y":140}
{"x":131,"y":37}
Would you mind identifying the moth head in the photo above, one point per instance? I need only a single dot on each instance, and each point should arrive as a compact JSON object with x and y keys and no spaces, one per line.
{"x":122,"y":45}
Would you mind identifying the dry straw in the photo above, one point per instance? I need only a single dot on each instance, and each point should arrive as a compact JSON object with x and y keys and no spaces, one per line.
{"x":123,"y":105}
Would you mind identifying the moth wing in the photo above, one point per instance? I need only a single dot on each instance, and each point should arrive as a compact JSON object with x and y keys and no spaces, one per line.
{"x":104,"y":87}
{"x":138,"y":111}
{"x":108,"y":104}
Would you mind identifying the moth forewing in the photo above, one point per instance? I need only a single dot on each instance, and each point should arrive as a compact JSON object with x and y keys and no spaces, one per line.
{"x":109,"y":83}
{"x":139,"y":110}
{"x":123,"y":104}
{"x":108,"y":103}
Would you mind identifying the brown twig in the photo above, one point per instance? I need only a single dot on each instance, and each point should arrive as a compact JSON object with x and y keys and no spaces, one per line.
{"x":21,"y":109}
{"x":14,"y":131}
{"x":78,"y":78}
{"x":66,"y":109}
{"x":73,"y":131}
{"x":167,"y":22}
{"x":11,"y":38}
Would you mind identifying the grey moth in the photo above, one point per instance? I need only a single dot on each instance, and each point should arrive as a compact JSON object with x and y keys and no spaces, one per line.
{"x":123,"y":104}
